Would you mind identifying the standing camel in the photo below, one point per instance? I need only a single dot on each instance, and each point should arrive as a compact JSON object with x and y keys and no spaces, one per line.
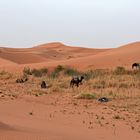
{"x":136,"y":65}
{"x":76,"y":81}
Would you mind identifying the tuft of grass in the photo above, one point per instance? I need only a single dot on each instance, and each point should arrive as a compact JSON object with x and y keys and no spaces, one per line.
{"x":117,"y":117}
{"x":70,"y":71}
{"x":55,"y":73}
{"x":5,"y":75}
{"x":99,"y":84}
{"x":27,"y":71}
{"x":92,"y":74}
{"x":120,"y":70}
{"x":59,"y":68}
{"x":86,"y":96}
{"x":35,"y":72}
{"x":39,"y":72}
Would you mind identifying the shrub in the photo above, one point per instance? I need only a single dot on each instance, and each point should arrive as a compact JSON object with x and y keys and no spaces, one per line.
{"x":53,"y":75}
{"x":27,"y":71}
{"x":39,"y":72}
{"x":124,"y":85}
{"x":56,"y":71}
{"x":95,"y":73}
{"x":5,"y":75}
{"x":116,"y":117}
{"x":59,"y":68}
{"x":86,"y":96}
{"x":70,"y":71}
{"x":36,"y":73}
{"x":99,"y":84}
{"x":44,"y":70}
{"x":120,"y":70}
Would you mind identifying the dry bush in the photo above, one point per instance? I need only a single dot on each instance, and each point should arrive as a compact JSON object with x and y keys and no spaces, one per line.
{"x":5,"y":75}
{"x":86,"y":95}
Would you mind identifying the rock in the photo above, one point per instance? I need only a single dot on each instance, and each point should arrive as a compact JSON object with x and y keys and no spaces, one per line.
{"x":103,"y":99}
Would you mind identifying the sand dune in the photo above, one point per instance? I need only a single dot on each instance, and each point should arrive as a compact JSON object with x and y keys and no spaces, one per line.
{"x":5,"y":127}
{"x":59,"y":116}
{"x":53,"y":54}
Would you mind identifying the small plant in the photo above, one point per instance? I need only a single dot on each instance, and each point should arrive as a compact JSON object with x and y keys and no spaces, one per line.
{"x":91,"y":74}
{"x":31,"y":113}
{"x":86,"y":96}
{"x":124,"y":85}
{"x":99,"y":84}
{"x":5,"y":75}
{"x":36,"y":73}
{"x":27,"y":71}
{"x":44,"y":70}
{"x":55,"y":73}
{"x":132,"y":127}
{"x":117,"y":117}
{"x":70,"y":71}
{"x":59,"y":68}
{"x":120,"y":70}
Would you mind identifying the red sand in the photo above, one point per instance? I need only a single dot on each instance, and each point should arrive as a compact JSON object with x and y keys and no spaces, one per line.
{"x":53,"y":54}
{"x":60,"y":122}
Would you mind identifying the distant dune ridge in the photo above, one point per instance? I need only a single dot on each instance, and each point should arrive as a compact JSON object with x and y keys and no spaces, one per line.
{"x":56,"y":53}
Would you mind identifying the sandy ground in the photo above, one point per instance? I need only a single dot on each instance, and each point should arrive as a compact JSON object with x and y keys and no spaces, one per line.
{"x":59,"y":116}
{"x":59,"y":121}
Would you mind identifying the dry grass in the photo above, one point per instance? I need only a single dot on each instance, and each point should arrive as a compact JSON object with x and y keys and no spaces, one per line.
{"x":117,"y":84}
{"x":121,"y":86}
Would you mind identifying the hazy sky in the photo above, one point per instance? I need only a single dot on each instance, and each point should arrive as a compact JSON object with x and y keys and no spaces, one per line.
{"x":89,"y":23}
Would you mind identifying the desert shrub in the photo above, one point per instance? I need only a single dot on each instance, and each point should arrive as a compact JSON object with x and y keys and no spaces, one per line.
{"x":59,"y":68}
{"x":44,"y":70}
{"x":95,"y":73}
{"x":120,"y":70}
{"x":36,"y":73}
{"x":27,"y":71}
{"x":86,"y":96}
{"x":39,"y":72}
{"x":124,"y":85}
{"x":116,"y":117}
{"x":55,"y":73}
{"x":99,"y":84}
{"x":70,"y":71}
{"x":5,"y":75}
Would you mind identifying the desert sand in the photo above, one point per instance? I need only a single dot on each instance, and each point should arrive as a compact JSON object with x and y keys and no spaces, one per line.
{"x":53,"y":54}
{"x":58,"y":115}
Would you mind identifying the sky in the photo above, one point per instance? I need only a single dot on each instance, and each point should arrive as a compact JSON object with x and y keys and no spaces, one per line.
{"x":86,"y":23}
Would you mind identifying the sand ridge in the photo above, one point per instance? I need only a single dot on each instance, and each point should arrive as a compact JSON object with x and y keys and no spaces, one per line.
{"x":53,"y":54}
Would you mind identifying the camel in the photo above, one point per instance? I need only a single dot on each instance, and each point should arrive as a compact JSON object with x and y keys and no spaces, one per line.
{"x":76,"y":81}
{"x":43,"y":84}
{"x":136,"y":65}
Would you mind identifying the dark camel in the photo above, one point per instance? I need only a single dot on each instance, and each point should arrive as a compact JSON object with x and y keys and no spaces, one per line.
{"x":76,"y":81}
{"x":43,"y":84}
{"x":136,"y":65}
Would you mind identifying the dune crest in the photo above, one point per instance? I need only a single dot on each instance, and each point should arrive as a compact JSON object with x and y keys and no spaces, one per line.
{"x":56,"y":53}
